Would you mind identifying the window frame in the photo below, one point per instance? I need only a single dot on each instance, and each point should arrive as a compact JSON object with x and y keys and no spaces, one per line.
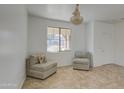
{"x":60,"y":39}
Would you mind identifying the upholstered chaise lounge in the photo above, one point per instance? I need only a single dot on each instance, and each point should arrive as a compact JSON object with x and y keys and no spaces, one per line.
{"x":40,"y":70}
{"x":82,"y":61}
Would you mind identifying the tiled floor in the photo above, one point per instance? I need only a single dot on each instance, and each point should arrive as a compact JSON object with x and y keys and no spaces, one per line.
{"x":106,"y":76}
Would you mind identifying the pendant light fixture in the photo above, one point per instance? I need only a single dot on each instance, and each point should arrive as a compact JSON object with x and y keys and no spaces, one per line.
{"x":76,"y":18}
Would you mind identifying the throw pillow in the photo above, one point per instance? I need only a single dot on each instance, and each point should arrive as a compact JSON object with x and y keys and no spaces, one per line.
{"x":41,"y":59}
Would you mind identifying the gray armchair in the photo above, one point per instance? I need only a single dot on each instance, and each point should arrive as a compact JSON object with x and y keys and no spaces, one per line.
{"x":82,"y":61}
{"x":40,"y":70}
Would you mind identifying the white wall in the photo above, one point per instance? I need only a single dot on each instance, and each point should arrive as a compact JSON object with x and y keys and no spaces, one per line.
{"x":13,"y":39}
{"x":101,"y":42}
{"x":104,"y":50}
{"x":90,"y":37}
{"x":119,"y":43}
{"x":37,"y":38}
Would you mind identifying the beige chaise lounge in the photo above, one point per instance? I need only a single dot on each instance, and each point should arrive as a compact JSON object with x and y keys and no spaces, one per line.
{"x":82,"y":61}
{"x":40,"y":70}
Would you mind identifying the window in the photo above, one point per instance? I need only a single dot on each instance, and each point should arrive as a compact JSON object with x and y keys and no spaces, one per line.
{"x":58,"y":39}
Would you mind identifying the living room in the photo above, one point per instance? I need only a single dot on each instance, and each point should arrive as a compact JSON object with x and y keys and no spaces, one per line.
{"x":27,"y":30}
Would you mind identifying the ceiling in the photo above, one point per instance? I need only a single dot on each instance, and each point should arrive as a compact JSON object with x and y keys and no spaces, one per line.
{"x":107,"y":12}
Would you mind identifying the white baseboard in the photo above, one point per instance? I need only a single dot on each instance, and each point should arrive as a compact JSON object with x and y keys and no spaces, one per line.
{"x":21,"y":83}
{"x":64,"y":65}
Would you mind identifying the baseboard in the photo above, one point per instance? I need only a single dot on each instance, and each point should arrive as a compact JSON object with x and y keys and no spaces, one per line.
{"x":64,"y":66}
{"x":21,"y":83}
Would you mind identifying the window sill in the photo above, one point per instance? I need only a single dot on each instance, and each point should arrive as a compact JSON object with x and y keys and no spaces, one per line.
{"x":65,"y":51}
{"x":60,"y":52}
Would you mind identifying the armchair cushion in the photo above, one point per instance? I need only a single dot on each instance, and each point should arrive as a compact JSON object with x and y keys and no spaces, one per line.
{"x":81,"y":60}
{"x":79,"y":54}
